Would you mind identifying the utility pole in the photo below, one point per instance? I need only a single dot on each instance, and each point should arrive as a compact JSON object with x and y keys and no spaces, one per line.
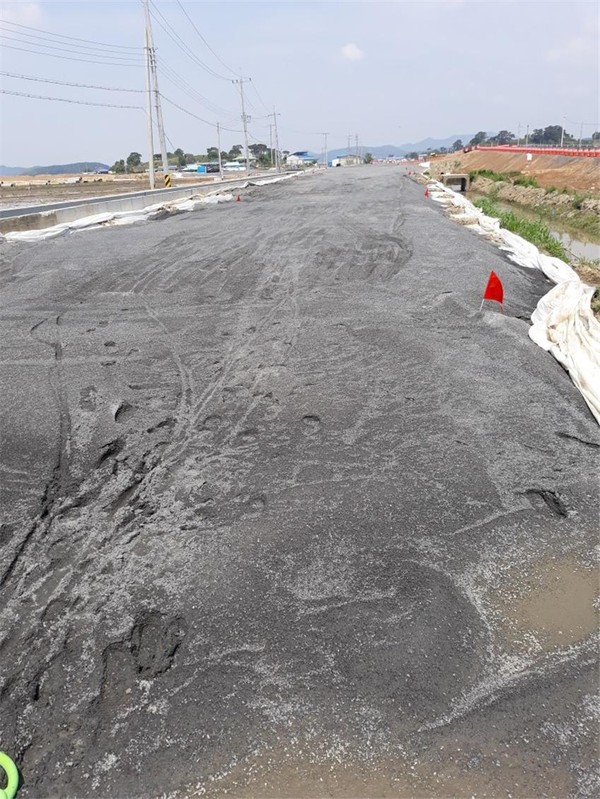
{"x":519,"y":134}
{"x":271,"y":143}
{"x":356,"y":143}
{"x":562,"y":132}
{"x":245,"y":120}
{"x":154,"y":76}
{"x":325,"y":148}
{"x":580,"y":134}
{"x":149,"y":113}
{"x":219,"y":149}
{"x":527,"y":136}
{"x":277,"y":155}
{"x":349,"y":137}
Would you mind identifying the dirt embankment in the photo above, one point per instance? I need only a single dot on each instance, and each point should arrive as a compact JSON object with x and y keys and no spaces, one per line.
{"x":559,"y":171}
{"x":531,"y":196}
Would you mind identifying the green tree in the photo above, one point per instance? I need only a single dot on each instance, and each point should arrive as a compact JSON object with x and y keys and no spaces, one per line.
{"x":368,"y":158}
{"x":235,"y":151}
{"x":478,"y":138}
{"x":180,"y":156}
{"x":553,"y":134}
{"x":458,"y":145}
{"x":537,"y":136}
{"x":212,"y":153}
{"x":505,"y":137}
{"x":118,"y":167}
{"x":258,"y":150}
{"x":134,"y":161}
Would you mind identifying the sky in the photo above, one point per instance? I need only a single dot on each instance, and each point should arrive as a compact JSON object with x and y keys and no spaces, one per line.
{"x":387,"y":72}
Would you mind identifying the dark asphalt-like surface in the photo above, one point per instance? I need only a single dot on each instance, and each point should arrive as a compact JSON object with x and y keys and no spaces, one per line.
{"x":286,"y":515}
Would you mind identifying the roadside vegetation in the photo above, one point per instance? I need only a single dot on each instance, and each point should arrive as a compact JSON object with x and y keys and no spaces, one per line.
{"x":539,"y":234}
{"x":534,"y":231}
{"x":516,"y":178}
{"x":573,"y":211}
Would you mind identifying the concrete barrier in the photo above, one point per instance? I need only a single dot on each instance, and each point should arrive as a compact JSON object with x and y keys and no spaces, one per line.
{"x":44,"y":216}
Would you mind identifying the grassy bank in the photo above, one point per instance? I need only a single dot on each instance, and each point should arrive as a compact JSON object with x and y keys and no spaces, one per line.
{"x":571,"y":211}
{"x":532,"y":230}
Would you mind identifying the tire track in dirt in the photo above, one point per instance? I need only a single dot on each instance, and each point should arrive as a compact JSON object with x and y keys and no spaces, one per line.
{"x":58,"y":484}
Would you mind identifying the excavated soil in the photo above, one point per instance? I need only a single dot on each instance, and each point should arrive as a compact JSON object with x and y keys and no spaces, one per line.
{"x":576,"y":174}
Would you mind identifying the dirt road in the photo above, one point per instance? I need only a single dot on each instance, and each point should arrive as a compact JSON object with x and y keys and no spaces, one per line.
{"x":285,"y":515}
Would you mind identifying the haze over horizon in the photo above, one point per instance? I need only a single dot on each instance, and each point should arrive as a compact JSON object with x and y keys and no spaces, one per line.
{"x":392,"y":72}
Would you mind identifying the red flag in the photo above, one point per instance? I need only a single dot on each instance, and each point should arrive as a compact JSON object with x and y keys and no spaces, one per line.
{"x":494,"y":290}
{"x":427,"y":192}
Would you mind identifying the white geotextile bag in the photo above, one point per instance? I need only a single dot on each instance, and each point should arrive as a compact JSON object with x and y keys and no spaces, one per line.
{"x":564,"y":325}
{"x":563,"y":322}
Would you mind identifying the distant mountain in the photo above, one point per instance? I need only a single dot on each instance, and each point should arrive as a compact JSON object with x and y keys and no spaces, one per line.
{"x":395,"y":151}
{"x":54,"y":169}
{"x":382,"y":151}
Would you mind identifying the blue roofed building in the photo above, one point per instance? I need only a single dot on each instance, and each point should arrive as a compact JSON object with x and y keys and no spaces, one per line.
{"x":301,"y":158}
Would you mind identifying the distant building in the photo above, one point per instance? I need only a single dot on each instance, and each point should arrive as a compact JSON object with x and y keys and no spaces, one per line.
{"x":350,"y":159}
{"x":301,"y":158}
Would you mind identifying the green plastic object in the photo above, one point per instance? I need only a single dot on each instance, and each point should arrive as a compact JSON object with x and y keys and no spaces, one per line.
{"x":12,"y":777}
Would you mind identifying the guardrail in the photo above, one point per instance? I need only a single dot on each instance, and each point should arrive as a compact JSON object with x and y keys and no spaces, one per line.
{"x":535,"y":149}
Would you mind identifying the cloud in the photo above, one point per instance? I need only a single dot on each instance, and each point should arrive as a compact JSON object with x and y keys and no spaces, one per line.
{"x":21,"y":13}
{"x":577,"y":50}
{"x":351,"y":52}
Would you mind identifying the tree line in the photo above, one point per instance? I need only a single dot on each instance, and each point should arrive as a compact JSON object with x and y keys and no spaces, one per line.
{"x":550,"y":135}
{"x":259,"y":152}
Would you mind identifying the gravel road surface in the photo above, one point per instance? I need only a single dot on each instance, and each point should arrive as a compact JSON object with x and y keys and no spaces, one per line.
{"x":285,"y":515}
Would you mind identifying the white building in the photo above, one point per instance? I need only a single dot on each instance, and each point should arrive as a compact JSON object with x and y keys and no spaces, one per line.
{"x":347,"y":160}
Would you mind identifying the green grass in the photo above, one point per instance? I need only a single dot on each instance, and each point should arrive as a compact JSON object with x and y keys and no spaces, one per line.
{"x":515,"y":178}
{"x":491,"y":175}
{"x":534,"y":231}
{"x":526,"y":181}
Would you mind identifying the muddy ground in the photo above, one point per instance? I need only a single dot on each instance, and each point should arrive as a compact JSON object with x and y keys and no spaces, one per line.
{"x":286,"y":515}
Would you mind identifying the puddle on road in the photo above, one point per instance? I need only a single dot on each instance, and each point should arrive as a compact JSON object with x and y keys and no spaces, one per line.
{"x":556,"y":601}
{"x":447,"y":773}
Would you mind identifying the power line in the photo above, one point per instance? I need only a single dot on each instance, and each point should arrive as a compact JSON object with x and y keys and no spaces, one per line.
{"x":67,"y":83}
{"x":73,"y":38}
{"x":77,"y":49}
{"x":65,"y":100}
{"x":186,"y":88}
{"x":220,"y":60}
{"x":70,"y":58}
{"x":172,"y":34}
{"x":259,"y":97}
{"x":191,"y":114}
